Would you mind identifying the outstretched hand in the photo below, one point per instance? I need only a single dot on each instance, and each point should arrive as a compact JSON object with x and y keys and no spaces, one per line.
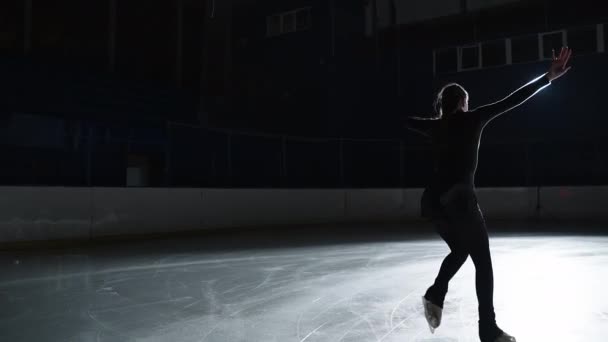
{"x":558,"y":64}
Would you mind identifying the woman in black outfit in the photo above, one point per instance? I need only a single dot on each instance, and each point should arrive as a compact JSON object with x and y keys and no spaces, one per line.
{"x":450,"y":200}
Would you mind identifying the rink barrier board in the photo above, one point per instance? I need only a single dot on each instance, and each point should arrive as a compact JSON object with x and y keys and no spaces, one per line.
{"x":56,"y":213}
{"x":44,"y":213}
{"x":255,"y":207}
{"x":117,"y":211}
{"x":574,"y":202}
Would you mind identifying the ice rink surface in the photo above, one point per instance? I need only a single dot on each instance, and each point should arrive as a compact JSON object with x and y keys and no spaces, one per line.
{"x":299,"y":287}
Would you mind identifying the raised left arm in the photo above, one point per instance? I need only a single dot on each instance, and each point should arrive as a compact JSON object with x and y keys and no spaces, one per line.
{"x":557,"y":69}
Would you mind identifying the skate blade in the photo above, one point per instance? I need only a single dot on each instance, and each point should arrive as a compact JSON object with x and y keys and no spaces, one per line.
{"x":427,"y":316}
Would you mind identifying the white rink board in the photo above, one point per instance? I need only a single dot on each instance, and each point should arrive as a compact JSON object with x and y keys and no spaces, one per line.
{"x":574,"y":202}
{"x":131,"y":211}
{"x":508,"y":203}
{"x":44,"y":213}
{"x":250,"y":207}
{"x":412,"y":203}
{"x":375,"y":204}
{"x":56,"y":213}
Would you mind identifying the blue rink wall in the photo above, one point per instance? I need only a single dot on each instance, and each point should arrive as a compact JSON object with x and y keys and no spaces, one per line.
{"x":58,"y":213}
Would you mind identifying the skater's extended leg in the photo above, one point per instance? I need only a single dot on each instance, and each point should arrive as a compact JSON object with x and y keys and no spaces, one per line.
{"x":449,"y":267}
{"x":449,"y":231}
{"x":435,"y":295}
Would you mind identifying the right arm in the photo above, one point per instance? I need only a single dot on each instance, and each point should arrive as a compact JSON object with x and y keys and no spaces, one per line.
{"x":423,"y":126}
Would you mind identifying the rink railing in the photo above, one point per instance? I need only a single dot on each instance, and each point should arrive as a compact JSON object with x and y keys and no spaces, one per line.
{"x":172,"y":155}
{"x":229,"y":158}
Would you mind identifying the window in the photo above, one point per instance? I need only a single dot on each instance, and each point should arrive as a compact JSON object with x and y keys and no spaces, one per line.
{"x":289,"y":22}
{"x":551,"y":41}
{"x":587,"y":39}
{"x":273,"y":25}
{"x":494,"y":53}
{"x":524,"y":48}
{"x":303,"y":19}
{"x":446,"y":60}
{"x":469,"y":57}
{"x":292,"y":21}
{"x":583,"y":40}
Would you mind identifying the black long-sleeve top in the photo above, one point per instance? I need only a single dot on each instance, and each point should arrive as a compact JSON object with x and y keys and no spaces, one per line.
{"x":456,"y":136}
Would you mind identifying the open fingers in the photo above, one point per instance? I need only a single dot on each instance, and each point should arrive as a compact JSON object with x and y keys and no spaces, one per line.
{"x":567,"y":57}
{"x":563,"y":57}
{"x":563,"y":53}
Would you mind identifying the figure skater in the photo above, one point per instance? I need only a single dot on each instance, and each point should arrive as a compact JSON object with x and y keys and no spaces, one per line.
{"x":450,"y":201}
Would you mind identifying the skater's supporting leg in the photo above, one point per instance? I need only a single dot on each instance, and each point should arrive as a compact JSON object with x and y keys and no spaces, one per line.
{"x":484,"y":277}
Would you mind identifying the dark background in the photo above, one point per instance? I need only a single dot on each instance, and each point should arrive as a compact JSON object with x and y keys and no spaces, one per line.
{"x":290,"y":93}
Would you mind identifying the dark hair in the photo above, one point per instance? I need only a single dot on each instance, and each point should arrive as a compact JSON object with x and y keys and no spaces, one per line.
{"x":448,"y":98}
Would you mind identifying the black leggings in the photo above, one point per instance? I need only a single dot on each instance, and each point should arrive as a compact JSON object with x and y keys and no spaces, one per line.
{"x":461,"y":225}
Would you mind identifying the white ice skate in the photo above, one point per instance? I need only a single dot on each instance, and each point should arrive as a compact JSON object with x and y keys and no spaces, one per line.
{"x":504,"y":337}
{"x":432,"y":313}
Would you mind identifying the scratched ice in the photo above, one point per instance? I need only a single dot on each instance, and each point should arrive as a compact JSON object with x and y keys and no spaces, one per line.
{"x":548,"y":288}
